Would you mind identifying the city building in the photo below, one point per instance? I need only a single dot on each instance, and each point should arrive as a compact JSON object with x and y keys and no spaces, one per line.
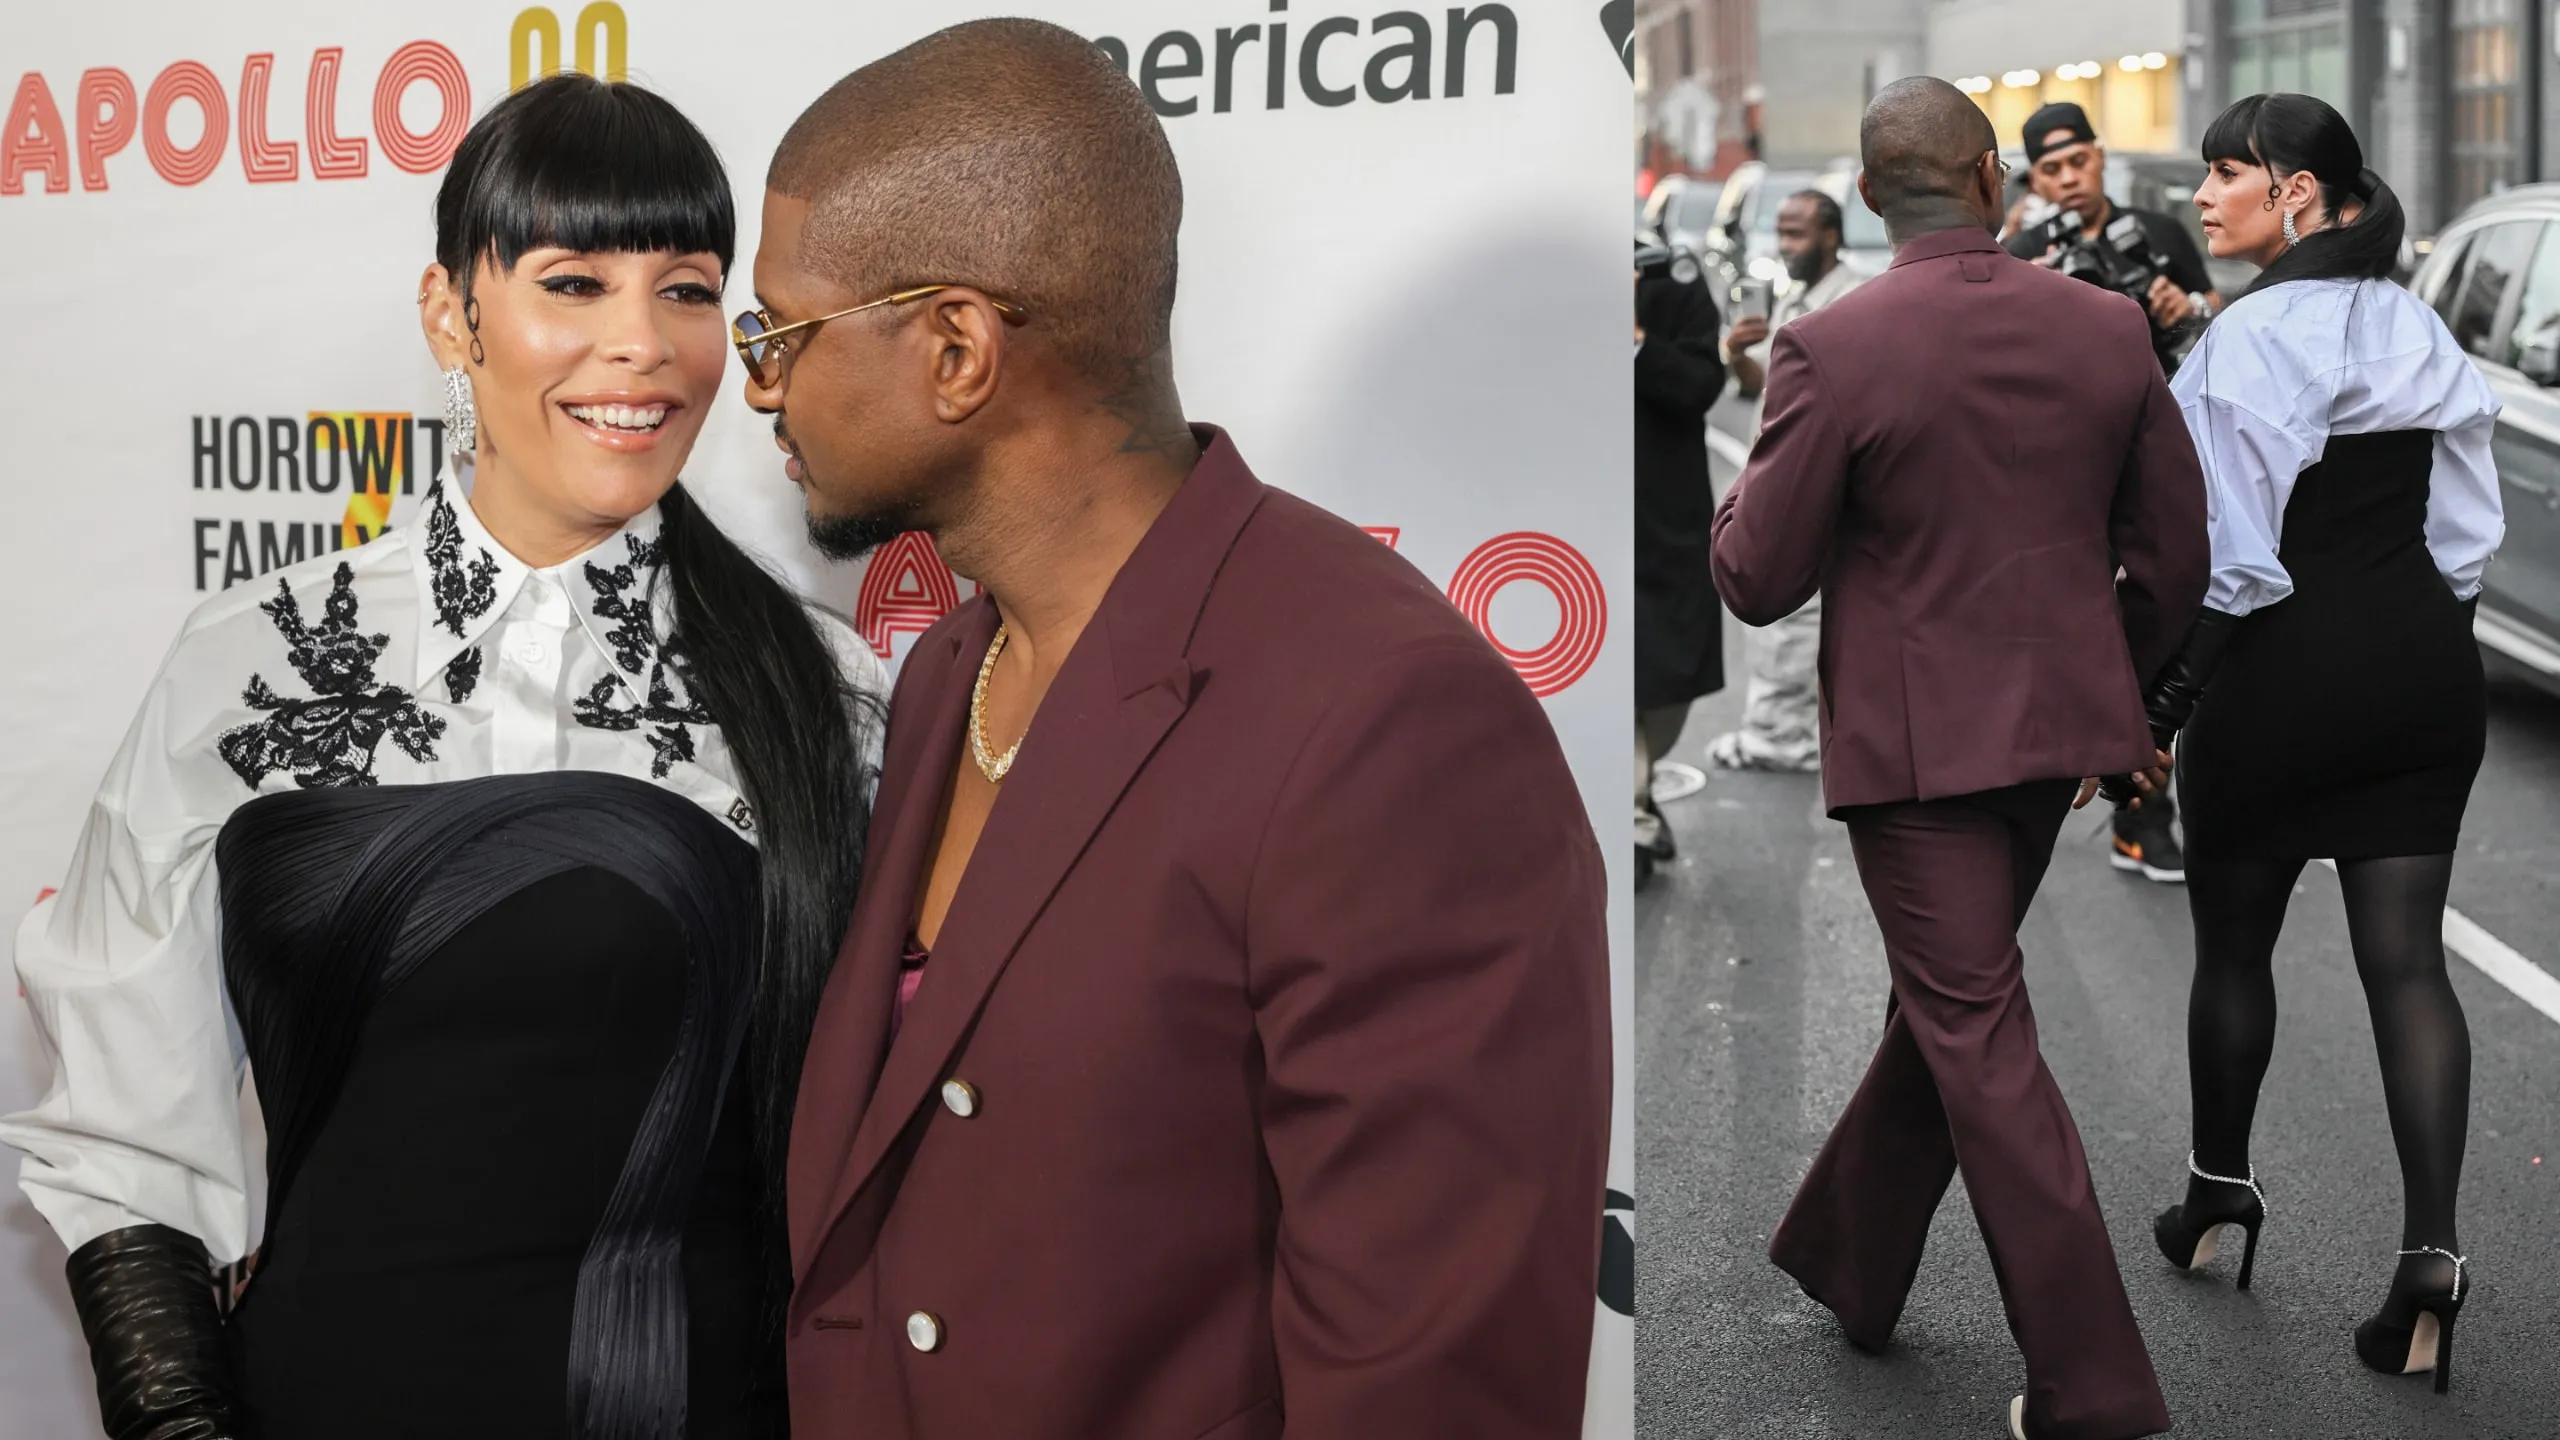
{"x":2123,"y":62}
{"x":1705,"y":70}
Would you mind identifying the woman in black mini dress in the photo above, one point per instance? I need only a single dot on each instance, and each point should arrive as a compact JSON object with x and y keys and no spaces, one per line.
{"x":2330,"y":698}
{"x":509,"y":850}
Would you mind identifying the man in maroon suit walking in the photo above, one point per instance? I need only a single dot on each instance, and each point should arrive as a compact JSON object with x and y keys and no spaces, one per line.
{"x":1977,"y":464}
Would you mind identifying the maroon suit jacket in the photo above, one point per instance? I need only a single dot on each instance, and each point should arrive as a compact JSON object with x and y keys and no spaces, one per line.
{"x":1280,"y":979}
{"x":1960,"y":454}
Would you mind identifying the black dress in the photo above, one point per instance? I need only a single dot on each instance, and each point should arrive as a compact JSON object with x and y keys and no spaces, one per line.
{"x":494,"y":1024}
{"x":1679,"y":622}
{"x":2347,"y":720}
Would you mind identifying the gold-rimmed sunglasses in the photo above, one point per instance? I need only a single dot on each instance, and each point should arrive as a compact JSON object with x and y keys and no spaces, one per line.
{"x":762,"y":344}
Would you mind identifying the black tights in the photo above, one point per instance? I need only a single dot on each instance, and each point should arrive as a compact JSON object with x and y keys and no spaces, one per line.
{"x":2395,"y":920}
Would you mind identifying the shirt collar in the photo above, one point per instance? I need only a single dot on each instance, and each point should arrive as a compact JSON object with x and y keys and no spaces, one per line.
{"x":626,"y":611}
{"x":466,"y":580}
{"x":1953,"y":240}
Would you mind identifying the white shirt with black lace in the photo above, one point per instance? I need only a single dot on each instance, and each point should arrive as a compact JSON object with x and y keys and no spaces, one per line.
{"x":425,"y":655}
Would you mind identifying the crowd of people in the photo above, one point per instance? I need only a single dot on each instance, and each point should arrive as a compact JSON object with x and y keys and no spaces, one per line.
{"x":1994,"y":582}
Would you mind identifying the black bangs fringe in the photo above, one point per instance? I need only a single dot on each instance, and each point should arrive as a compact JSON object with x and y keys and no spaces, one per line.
{"x":583,"y":164}
{"x":2233,"y":133}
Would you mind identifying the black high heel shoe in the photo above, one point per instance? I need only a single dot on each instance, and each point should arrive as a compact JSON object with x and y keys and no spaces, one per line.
{"x":2186,"y":1232}
{"x":2414,"y":1332}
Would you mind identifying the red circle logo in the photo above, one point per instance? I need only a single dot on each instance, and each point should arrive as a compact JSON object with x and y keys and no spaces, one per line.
{"x":1582,"y":604}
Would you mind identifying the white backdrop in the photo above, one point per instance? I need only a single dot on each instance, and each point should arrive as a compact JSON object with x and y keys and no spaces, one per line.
{"x":1403,"y":290}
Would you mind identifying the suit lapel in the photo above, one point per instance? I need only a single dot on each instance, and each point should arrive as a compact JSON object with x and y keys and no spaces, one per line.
{"x":1122,"y":688}
{"x":1084,"y":746}
{"x":851,"y":1032}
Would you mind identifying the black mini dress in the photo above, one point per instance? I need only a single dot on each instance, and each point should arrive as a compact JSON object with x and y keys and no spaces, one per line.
{"x":496,"y":1025}
{"x":2347,"y":720}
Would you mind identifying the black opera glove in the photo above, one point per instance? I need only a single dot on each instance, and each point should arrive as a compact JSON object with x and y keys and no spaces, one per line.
{"x":2177,"y":688}
{"x":2181,"y":682}
{"x":146,"y":1302}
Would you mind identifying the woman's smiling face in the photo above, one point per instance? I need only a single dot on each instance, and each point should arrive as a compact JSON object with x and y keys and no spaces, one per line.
{"x":596,"y":371}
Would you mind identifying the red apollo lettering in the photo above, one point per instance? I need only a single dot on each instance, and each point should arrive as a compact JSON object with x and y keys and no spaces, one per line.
{"x":34,"y":140}
{"x":185,"y":80}
{"x":428,"y":61}
{"x":905,"y":588}
{"x":109,"y":114}
{"x":1582,"y":604}
{"x":333,"y":156}
{"x":263,"y":160}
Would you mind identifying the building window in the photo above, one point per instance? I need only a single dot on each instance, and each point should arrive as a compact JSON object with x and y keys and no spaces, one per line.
{"x":2289,"y":45}
{"x":2488,"y":108}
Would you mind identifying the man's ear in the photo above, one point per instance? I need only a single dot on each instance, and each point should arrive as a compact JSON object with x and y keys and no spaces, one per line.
{"x":968,"y":336}
{"x":1866,"y":196}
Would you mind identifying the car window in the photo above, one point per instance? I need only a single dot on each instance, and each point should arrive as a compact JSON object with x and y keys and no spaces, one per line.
{"x":2538,"y":312}
{"x":1694,"y":211}
{"x":2497,"y":262}
{"x":2441,"y":280}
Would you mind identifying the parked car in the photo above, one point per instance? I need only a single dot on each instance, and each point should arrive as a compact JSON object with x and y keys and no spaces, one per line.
{"x":2494,"y":275}
{"x":1682,"y":210}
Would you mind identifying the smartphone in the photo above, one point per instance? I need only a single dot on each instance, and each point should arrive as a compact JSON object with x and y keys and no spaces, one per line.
{"x":1751,"y":300}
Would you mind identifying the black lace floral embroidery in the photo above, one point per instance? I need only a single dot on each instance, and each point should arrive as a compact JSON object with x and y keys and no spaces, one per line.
{"x":462,"y":675}
{"x":633,"y":633}
{"x":329,"y":739}
{"x":461,"y":595}
{"x":670,"y":722}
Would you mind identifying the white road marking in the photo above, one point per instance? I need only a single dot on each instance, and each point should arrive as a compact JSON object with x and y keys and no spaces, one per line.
{"x":1731,"y":451}
{"x":2498,"y":960}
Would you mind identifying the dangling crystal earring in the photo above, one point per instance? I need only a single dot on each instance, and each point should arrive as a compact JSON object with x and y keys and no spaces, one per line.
{"x":461,"y":422}
{"x":2292,"y":237}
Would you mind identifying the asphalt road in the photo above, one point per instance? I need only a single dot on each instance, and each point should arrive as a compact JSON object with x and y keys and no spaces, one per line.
{"x":1760,"y":987}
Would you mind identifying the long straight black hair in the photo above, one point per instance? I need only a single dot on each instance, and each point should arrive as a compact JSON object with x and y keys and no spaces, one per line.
{"x":581,"y":163}
{"x":2288,"y":133}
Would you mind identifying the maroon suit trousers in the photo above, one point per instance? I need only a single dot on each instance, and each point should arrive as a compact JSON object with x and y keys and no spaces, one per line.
{"x":1959,"y":1083}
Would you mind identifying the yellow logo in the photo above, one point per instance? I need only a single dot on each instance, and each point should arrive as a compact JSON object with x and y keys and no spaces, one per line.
{"x":601,"y":26}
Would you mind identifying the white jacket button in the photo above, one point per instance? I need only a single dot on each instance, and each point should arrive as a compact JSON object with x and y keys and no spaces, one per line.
{"x":924,"y":1331}
{"x":960,"y":1097}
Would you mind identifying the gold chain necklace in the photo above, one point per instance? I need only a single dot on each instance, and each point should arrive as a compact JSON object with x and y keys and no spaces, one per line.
{"x":997,"y":767}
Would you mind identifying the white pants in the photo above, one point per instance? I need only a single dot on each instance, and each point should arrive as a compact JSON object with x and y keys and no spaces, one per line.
{"x":1782,"y":706}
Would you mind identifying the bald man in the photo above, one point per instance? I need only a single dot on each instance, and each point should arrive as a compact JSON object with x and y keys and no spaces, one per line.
{"x":1220,"y":1044}
{"x":1964,"y":501}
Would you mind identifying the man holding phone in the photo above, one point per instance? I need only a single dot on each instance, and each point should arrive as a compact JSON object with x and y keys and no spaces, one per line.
{"x":1779,"y":709}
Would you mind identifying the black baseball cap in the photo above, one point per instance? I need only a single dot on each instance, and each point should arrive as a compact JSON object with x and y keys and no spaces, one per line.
{"x":2060,"y":115}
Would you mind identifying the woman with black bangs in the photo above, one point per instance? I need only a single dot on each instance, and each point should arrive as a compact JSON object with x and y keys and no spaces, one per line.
{"x":510,"y":850}
{"x":2330,"y":695}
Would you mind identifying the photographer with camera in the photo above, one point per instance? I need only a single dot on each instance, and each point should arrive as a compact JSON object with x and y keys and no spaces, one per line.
{"x":2154,"y":260}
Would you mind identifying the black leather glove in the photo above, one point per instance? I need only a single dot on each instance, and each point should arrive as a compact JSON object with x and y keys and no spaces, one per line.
{"x":146,"y":1303}
{"x":2176,"y":689}
{"x":2180,"y":683}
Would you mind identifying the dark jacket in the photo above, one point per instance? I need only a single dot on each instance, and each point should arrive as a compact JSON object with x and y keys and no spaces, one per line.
{"x":1963,"y":496}
{"x":1679,"y":629}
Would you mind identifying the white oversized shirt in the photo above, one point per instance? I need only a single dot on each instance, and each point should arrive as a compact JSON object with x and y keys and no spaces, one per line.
{"x":427,"y":654}
{"x":2284,"y":369}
